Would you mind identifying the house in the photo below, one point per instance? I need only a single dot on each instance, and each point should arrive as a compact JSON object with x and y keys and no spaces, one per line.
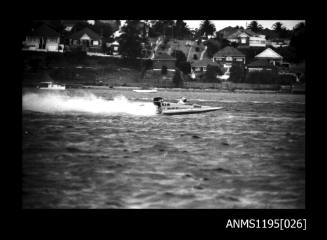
{"x":162,"y":59}
{"x":229,"y":55}
{"x":113,"y":47}
{"x":271,"y":56}
{"x":200,"y":66}
{"x":247,"y":38}
{"x":86,"y":39}
{"x":227,"y":31}
{"x":234,"y":36}
{"x":43,"y":38}
{"x":260,"y":65}
{"x":278,"y":42}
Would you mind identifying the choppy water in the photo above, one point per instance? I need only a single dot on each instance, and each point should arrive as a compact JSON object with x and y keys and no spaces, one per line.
{"x":101,"y":150}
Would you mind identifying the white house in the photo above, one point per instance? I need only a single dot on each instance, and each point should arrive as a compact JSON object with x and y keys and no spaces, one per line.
{"x":248,"y":38}
{"x":87,"y":39}
{"x":271,"y":56}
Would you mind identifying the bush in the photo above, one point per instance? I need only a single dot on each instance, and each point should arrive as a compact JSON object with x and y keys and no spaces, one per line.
{"x":185,"y":67}
{"x":237,"y":73}
{"x":263,"y":77}
{"x":211,"y":74}
{"x":178,"y":78}
{"x":287,"y":79}
{"x":164,"y":70}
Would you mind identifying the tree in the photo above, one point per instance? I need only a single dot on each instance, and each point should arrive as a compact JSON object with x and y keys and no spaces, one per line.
{"x":278,"y":27}
{"x":104,"y":29}
{"x":213,"y":46}
{"x":207,"y":28}
{"x":181,"y":30}
{"x":146,"y":65}
{"x":181,"y":62}
{"x":80,"y":25}
{"x":298,"y":41}
{"x":130,"y":41}
{"x":162,"y":27}
{"x":255,"y":26}
{"x":281,"y":30}
{"x":180,"y":57}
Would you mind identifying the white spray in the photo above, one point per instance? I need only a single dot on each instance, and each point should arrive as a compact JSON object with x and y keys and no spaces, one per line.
{"x":88,"y":103}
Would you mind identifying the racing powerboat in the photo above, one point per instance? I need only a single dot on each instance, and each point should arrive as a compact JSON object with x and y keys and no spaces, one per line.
{"x":168,"y":108}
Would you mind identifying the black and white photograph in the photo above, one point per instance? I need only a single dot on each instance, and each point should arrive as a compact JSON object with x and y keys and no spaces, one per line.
{"x":163,"y":114}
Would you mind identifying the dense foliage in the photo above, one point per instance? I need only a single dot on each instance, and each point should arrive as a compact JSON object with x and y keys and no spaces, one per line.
{"x":130,"y":41}
{"x":169,"y":28}
{"x":263,"y":77}
{"x":298,"y":41}
{"x":237,"y":73}
{"x":255,"y":26}
{"x":207,"y":28}
{"x":178,"y":78}
{"x":211,"y":74}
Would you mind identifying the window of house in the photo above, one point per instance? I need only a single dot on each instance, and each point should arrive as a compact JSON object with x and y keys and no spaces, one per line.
{"x":197,"y":49}
{"x":229,"y":59}
{"x":74,"y":42}
{"x":195,"y":57}
{"x":239,"y":59}
{"x":243,"y":40}
{"x":95,"y":43}
{"x":204,"y":69}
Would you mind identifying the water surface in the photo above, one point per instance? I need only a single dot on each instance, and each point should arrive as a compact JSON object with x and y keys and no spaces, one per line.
{"x":108,"y":149}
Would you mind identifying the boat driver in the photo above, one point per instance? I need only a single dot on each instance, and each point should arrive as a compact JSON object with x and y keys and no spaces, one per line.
{"x":183,"y":100}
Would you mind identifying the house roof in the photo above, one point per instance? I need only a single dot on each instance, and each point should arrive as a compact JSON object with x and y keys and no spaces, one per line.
{"x":269,"y":54}
{"x":229,"y":52}
{"x":264,"y":63}
{"x":238,"y":32}
{"x":234,"y":34}
{"x":163,"y":56}
{"x":250,"y":32}
{"x":93,"y":35}
{"x":44,"y":31}
{"x":203,"y":63}
{"x":69,"y":22}
{"x":227,"y":31}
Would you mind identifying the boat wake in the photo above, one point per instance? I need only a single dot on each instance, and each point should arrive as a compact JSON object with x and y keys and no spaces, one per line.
{"x":88,"y":103}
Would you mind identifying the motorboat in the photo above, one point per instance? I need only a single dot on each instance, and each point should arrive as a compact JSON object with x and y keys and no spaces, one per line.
{"x":168,"y":108}
{"x":146,"y":90}
{"x":51,"y":86}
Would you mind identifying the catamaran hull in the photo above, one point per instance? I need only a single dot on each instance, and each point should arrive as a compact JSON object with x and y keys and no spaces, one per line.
{"x":60,"y":88}
{"x":189,"y":111}
{"x":145,"y":91}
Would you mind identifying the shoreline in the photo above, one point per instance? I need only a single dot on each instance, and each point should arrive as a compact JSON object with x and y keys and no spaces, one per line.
{"x":130,"y":88}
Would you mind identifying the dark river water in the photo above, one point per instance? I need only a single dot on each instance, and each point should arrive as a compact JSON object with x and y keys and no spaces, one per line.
{"x":109,"y":149}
